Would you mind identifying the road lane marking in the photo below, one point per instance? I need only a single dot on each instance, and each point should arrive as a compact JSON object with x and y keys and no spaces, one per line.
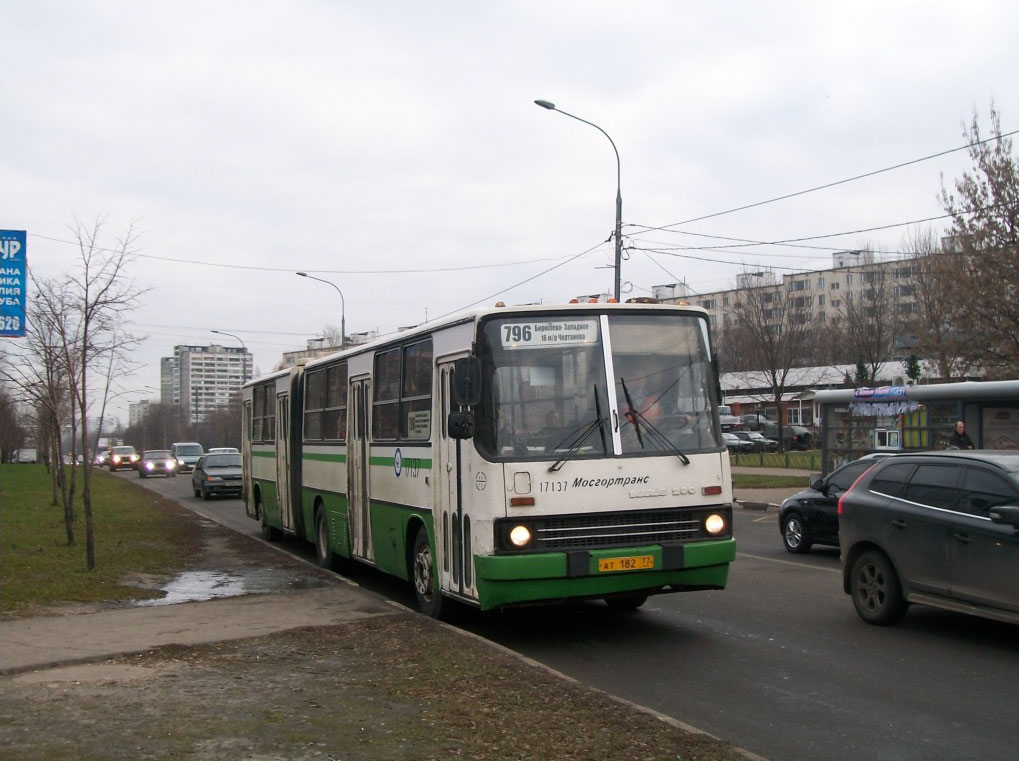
{"x":789,"y":562}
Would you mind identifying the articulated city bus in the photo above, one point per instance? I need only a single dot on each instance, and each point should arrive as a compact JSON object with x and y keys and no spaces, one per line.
{"x":514,"y":455}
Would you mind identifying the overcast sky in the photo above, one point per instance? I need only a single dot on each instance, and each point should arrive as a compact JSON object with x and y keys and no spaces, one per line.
{"x":394,"y":148}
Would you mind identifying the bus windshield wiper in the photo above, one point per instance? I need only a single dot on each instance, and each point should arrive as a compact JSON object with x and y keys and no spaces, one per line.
{"x":580,"y":435}
{"x":654,"y":435}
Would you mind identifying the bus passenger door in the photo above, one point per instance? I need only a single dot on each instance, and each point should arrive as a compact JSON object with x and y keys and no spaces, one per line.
{"x":454,"y":557}
{"x":358,"y":469}
{"x":249,"y":500}
{"x":283,"y":500}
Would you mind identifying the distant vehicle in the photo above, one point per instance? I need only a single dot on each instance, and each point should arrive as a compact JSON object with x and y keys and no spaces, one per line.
{"x":123,"y":457}
{"x":186,"y":453}
{"x":735,"y":444}
{"x":223,"y":450}
{"x":216,"y":474}
{"x":937,"y":528}
{"x":156,"y":462}
{"x":26,"y":455}
{"x":754,"y":421}
{"x":728,"y":421}
{"x":810,"y":517}
{"x":795,"y":436}
{"x":757,"y":441}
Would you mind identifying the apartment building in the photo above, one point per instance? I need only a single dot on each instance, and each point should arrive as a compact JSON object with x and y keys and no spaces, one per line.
{"x":203,"y":378}
{"x":816,"y":297}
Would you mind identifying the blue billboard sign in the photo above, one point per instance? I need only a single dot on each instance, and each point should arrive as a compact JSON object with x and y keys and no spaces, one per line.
{"x":13,"y":276}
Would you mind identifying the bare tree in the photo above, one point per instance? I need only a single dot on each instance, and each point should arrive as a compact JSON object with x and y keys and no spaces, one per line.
{"x":12,"y":434}
{"x":985,"y":236}
{"x":41,"y":374}
{"x":104,"y":294}
{"x":869,"y":329}
{"x":769,"y":329}
{"x":935,"y":281}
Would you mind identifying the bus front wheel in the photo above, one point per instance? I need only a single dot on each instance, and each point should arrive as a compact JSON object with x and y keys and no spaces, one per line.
{"x":269,"y":533}
{"x":429,"y":599}
{"x":626,"y":602}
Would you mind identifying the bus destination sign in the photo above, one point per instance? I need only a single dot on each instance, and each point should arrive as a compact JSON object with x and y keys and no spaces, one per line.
{"x":549,"y":334}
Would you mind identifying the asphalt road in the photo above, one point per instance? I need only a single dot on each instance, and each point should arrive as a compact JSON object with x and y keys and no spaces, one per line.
{"x":778,"y":663}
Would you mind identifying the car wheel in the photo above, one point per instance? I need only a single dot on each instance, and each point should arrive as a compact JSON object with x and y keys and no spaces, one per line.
{"x":795,"y":534}
{"x":877,"y":594}
{"x":198,"y":492}
{"x":626,"y":602}
{"x":205,"y":493}
{"x":429,"y":598}
{"x":141,"y":474}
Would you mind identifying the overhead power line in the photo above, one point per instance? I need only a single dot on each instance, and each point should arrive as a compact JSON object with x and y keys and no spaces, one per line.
{"x":834,"y":184}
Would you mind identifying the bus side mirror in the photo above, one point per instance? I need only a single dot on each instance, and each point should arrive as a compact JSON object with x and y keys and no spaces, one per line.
{"x":461,"y":425}
{"x":466,"y":391}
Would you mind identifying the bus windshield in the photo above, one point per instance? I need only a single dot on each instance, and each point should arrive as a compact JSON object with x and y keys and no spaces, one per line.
{"x":546,"y":393}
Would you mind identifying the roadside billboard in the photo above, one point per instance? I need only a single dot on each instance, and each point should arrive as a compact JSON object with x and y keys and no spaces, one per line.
{"x":13,"y":275}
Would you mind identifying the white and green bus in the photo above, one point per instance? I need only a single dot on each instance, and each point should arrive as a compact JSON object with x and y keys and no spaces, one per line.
{"x":510,"y":456}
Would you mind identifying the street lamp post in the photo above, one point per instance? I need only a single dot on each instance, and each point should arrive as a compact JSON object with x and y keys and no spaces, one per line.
{"x":244,"y":364}
{"x":343,"y":306}
{"x":619,"y":196}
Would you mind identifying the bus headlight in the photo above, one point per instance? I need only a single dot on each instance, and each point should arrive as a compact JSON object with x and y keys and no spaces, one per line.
{"x":520,"y":536}
{"x":714,"y":524}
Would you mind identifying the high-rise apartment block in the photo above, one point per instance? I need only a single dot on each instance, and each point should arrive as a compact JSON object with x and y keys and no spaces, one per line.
{"x":203,"y":378}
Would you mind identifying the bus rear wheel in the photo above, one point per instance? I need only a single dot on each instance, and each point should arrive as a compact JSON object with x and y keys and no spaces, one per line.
{"x":429,"y":599}
{"x":324,"y":554}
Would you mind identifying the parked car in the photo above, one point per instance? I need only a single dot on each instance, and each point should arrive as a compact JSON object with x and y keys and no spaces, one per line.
{"x":937,"y":528}
{"x":728,"y":421}
{"x":735,"y":444}
{"x":222,"y":450}
{"x":754,"y":421}
{"x":795,"y":436}
{"x":123,"y":457}
{"x":217,"y":474}
{"x":186,"y":453}
{"x":756,"y":441}
{"x":156,"y":462}
{"x":811,"y":516}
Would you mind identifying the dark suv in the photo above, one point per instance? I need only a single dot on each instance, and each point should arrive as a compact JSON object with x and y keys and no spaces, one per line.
{"x":810,"y":517}
{"x":939,"y":528}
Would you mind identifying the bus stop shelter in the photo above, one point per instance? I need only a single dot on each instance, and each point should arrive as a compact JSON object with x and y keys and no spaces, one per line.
{"x":855,"y":422}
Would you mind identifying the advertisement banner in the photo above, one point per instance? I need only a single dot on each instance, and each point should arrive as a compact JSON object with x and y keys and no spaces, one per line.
{"x":13,"y":276}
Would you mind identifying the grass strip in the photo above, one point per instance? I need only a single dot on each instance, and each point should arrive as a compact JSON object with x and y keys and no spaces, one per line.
{"x":136,"y":531}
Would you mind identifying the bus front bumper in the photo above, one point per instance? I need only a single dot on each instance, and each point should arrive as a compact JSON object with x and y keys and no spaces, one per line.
{"x":652,"y":569}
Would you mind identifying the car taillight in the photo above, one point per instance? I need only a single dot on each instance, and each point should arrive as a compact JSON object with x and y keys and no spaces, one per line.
{"x":846,"y":492}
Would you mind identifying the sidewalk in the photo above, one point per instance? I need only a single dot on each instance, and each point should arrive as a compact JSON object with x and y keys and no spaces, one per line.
{"x":47,"y":641}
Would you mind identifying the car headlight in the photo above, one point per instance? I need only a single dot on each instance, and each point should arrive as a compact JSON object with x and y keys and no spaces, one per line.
{"x":170,"y":464}
{"x":520,"y":536}
{"x":714,"y":524}
{"x":150,"y":465}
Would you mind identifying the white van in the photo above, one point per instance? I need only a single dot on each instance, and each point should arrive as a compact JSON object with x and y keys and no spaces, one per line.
{"x":186,"y":453}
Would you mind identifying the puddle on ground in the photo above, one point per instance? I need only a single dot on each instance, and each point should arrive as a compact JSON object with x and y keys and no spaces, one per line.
{"x":196,"y":586}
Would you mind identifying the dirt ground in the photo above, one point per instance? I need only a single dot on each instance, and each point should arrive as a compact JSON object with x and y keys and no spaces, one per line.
{"x":399,"y":686}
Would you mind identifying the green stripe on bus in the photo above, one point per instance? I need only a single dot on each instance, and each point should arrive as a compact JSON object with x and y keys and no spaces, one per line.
{"x":424,"y":463}
{"x":323,"y":457}
{"x":257,"y":453}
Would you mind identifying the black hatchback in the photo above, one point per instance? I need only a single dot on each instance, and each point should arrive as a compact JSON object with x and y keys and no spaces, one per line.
{"x":938,"y":528}
{"x":810,"y":517}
